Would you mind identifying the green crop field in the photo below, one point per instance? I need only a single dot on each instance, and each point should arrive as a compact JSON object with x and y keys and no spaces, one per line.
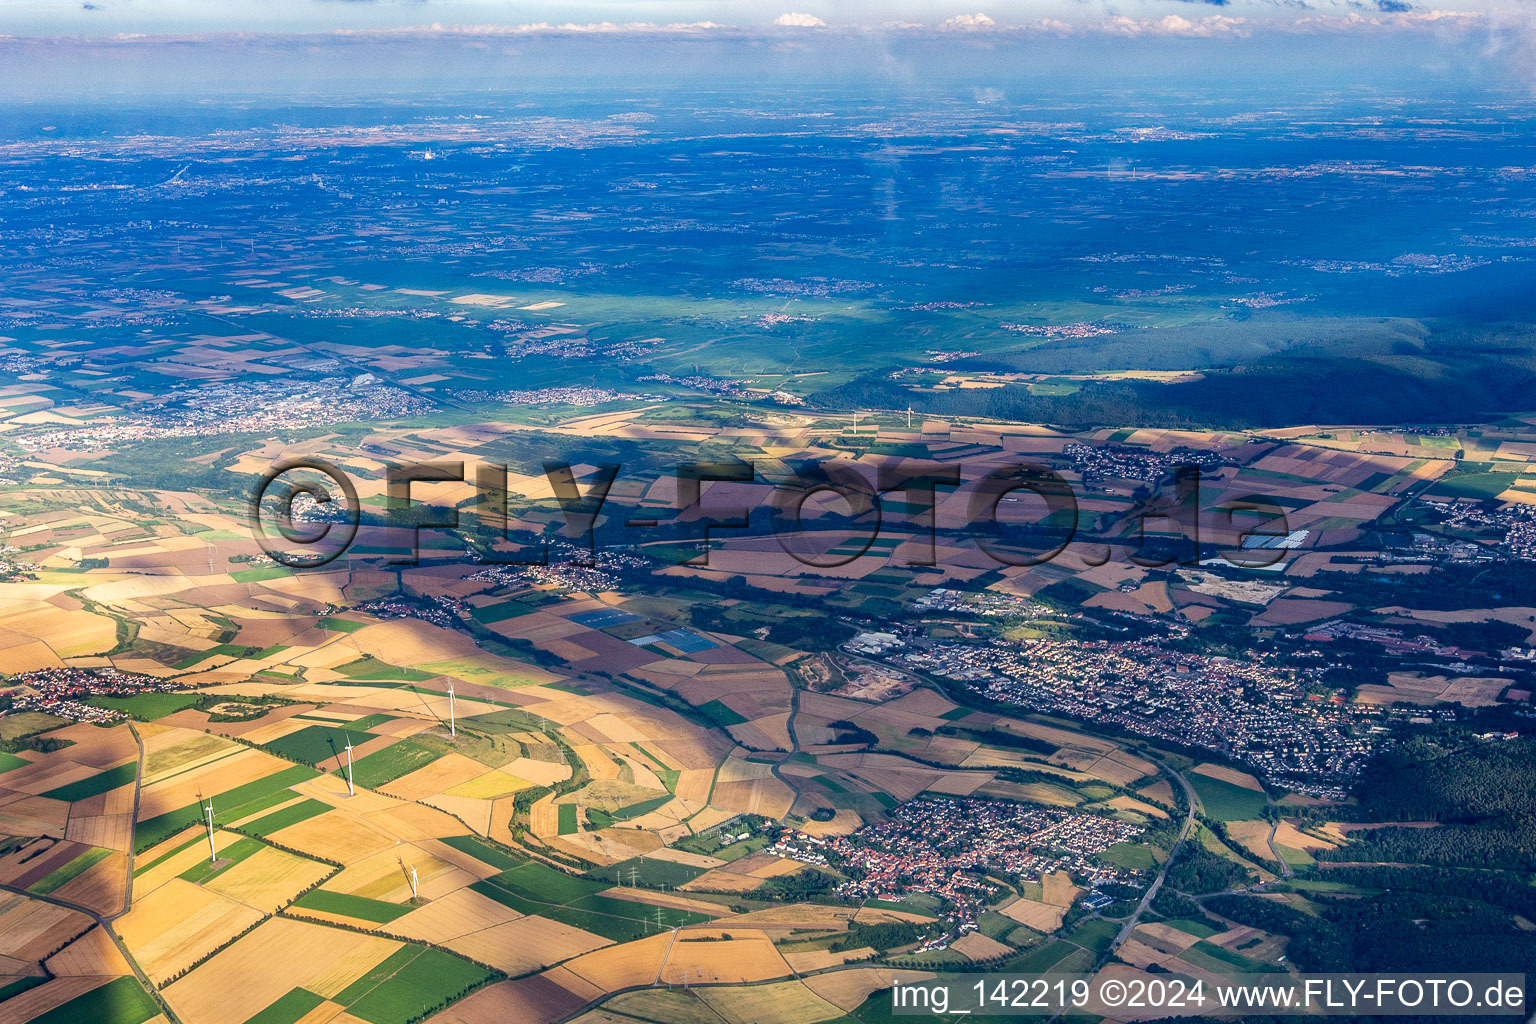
{"x":376,"y":974}
{"x":121,"y":1001}
{"x":65,"y":873}
{"x":346,"y":905}
{"x":593,"y":913}
{"x":317,"y":744}
{"x":1133,"y":856}
{"x":288,"y":1009}
{"x":719,"y":714}
{"x":544,"y":884}
{"x":649,"y":871}
{"x":236,"y":852}
{"x":96,"y":784}
{"x":1226,"y":802}
{"x":483,"y":851}
{"x":1095,"y":935}
{"x":145,"y":706}
{"x":370,"y":668}
{"x":266,"y":572}
{"x":389,"y":764}
{"x":277,"y":820}
{"x":228,"y":806}
{"x":428,"y":981}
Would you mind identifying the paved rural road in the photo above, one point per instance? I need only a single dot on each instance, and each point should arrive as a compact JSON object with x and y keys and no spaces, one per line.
{"x":1157,"y":883}
{"x":1285,"y":866}
{"x":106,"y":921}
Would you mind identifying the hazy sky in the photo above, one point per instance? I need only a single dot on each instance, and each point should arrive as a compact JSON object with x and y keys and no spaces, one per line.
{"x":84,"y":47}
{"x":98,"y":17}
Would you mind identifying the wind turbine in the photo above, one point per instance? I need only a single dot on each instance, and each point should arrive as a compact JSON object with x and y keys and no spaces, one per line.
{"x":213,"y":853}
{"x":350,"y":790}
{"x":452,"y":730}
{"x":413,"y":881}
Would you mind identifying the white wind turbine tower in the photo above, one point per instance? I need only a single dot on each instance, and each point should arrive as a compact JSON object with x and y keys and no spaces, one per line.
{"x":414,"y":881}
{"x":350,"y":790}
{"x":213,"y":853}
{"x":909,"y":417}
{"x":452,"y":730}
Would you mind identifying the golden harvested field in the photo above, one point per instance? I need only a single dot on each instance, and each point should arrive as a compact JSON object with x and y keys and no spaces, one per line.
{"x":799,"y":915}
{"x":738,"y":956}
{"x":147,"y":879}
{"x":409,"y":642}
{"x":978,"y":947}
{"x":103,"y":887}
{"x":1231,"y":775}
{"x":821,"y":959}
{"x":1126,"y":803}
{"x":526,"y":944}
{"x":1042,"y":917}
{"x":540,"y":773}
{"x":31,"y":929}
{"x":70,"y":633}
{"x":723,"y":880}
{"x":847,"y":989}
{"x":665,"y":1006}
{"x":113,"y":831}
{"x":1121,"y":768}
{"x":1059,"y":890}
{"x":278,"y":956}
{"x":93,"y":953}
{"x":458,"y":913}
{"x":225,"y":774}
{"x":268,"y":879}
{"x":786,"y":1002}
{"x":178,"y":923}
{"x":768,"y":797}
{"x":492,"y":785}
{"x":169,"y":750}
{"x":625,"y":966}
{"x":386,"y":876}
{"x":335,"y":836}
{"x":1468,"y":691}
{"x":1253,"y":836}
{"x":440,"y":776}
{"x":1287,"y":834}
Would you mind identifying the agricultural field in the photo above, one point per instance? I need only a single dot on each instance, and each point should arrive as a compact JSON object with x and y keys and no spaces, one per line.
{"x":670,"y":775}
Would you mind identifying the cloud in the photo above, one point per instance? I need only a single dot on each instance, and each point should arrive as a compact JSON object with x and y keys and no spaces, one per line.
{"x":1393,"y":6}
{"x":535,"y":28}
{"x":1212,"y":27}
{"x":1512,"y":40}
{"x":795,"y":19}
{"x":977,"y":22}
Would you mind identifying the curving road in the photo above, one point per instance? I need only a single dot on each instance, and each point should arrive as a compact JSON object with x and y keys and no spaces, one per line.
{"x":1157,"y":883}
{"x":105,"y":920}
